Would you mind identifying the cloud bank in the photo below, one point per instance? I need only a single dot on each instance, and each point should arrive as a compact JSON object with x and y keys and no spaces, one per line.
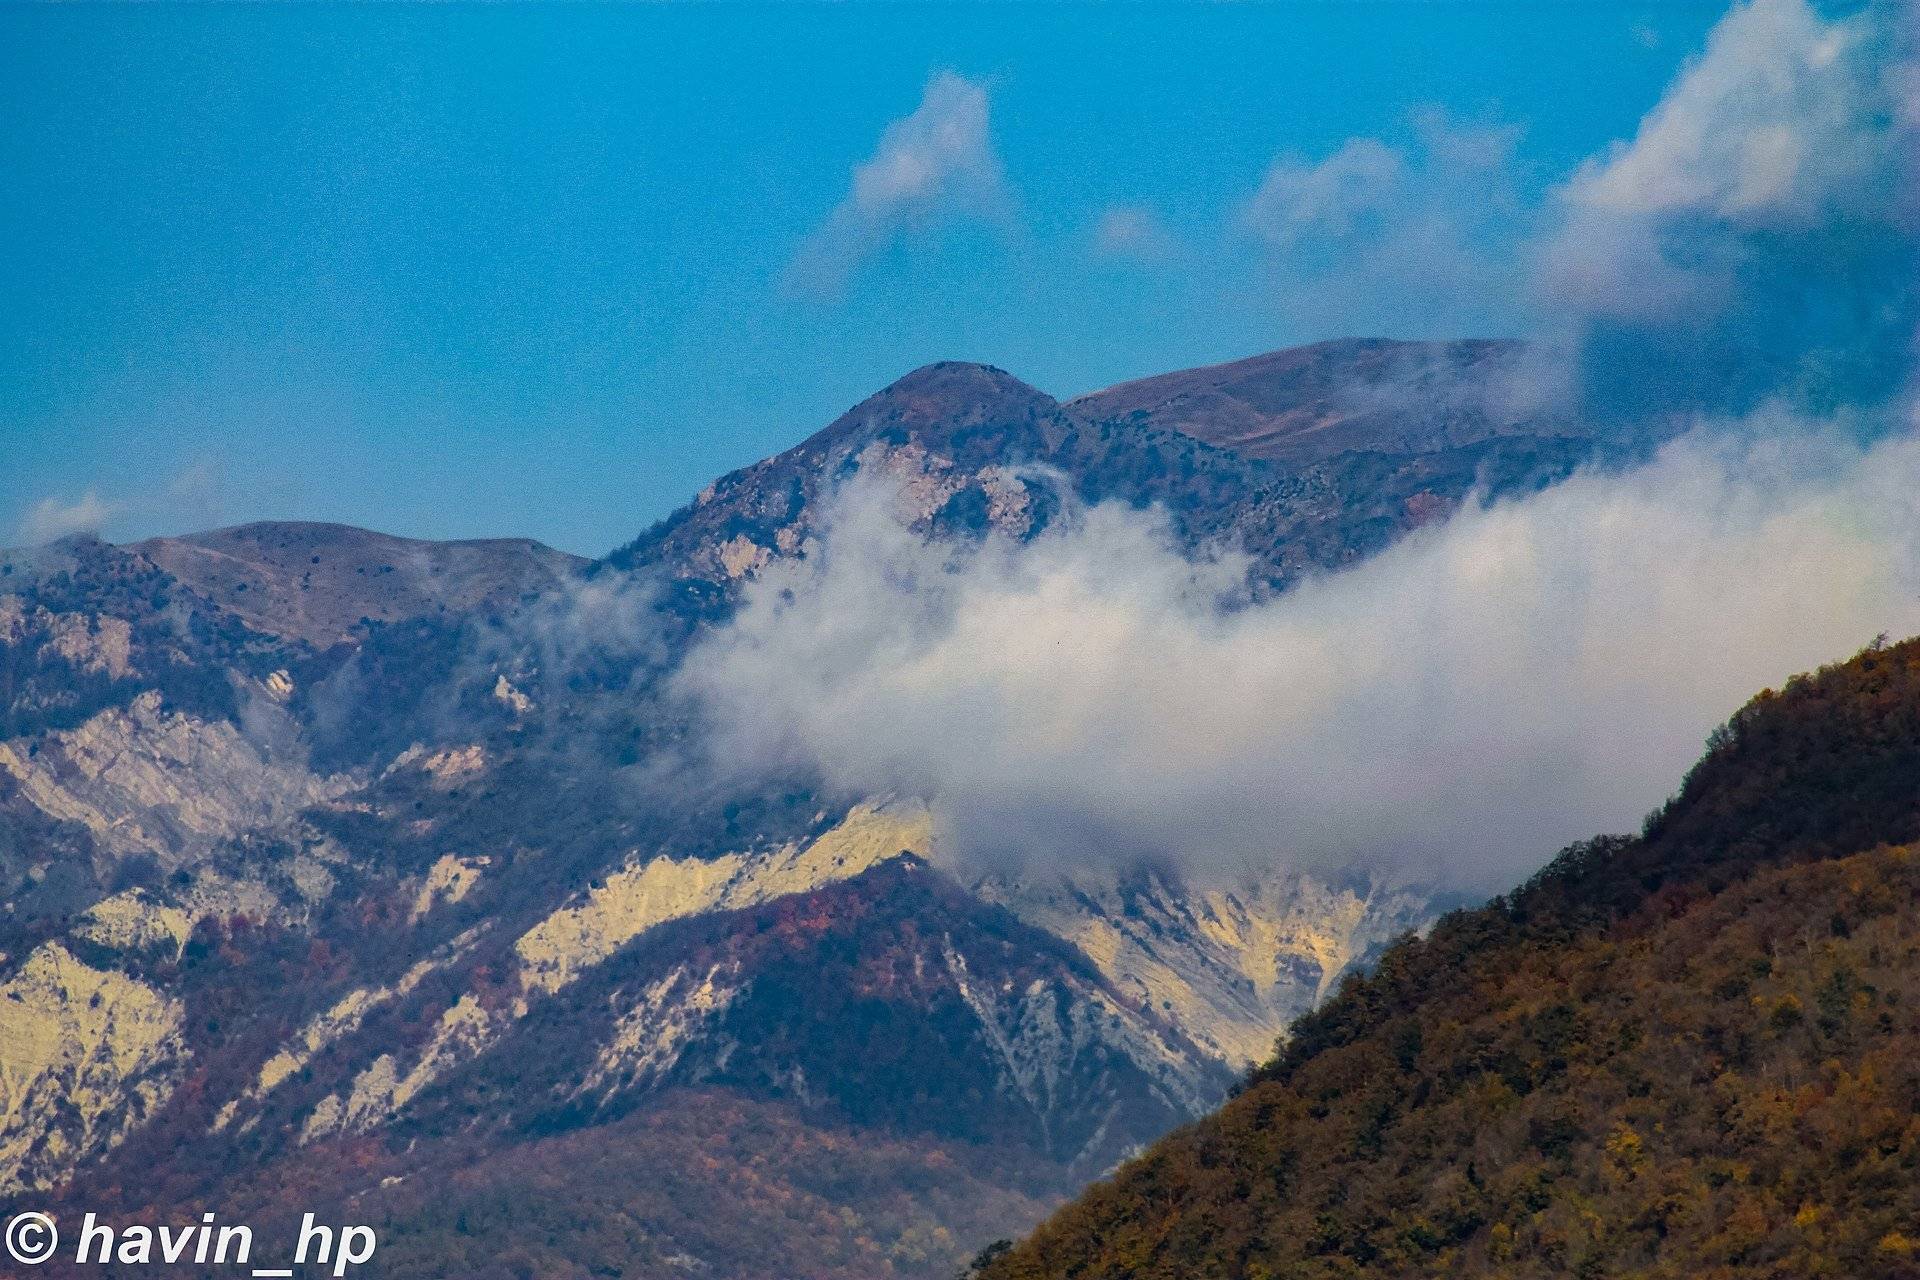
{"x":1530,"y":673}
{"x":1756,"y":239}
{"x":935,"y":164}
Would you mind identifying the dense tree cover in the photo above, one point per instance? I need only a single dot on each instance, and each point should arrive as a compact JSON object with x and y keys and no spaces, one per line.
{"x":708,"y":1182}
{"x":1691,"y":1054}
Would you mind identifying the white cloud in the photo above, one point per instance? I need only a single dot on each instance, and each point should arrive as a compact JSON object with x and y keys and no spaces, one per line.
{"x":188,"y":500}
{"x":1775,"y":118}
{"x":52,"y":518}
{"x":1299,"y":200}
{"x":1526,"y":674}
{"x":935,"y":164}
{"x":1753,"y":237}
{"x":1784,"y":121}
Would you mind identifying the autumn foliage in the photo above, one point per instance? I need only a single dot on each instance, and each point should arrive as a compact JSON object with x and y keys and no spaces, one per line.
{"x":1694,"y":1053}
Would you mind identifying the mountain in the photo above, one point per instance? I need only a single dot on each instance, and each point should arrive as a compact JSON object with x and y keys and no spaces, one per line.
{"x":317,"y":582}
{"x":973,"y":447}
{"x":1689,"y":1053}
{"x":337,"y":869}
{"x":1308,"y":404}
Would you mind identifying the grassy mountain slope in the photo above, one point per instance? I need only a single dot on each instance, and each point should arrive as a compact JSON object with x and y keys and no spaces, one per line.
{"x":319,"y":582}
{"x":1308,"y":404}
{"x":1694,"y":1053}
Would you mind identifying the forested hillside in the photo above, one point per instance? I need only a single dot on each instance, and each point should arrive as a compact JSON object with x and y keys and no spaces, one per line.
{"x":1695,"y":1053}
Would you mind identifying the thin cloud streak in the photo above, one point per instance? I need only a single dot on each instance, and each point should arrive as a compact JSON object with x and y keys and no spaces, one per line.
{"x":52,"y":518}
{"x":933,"y":166}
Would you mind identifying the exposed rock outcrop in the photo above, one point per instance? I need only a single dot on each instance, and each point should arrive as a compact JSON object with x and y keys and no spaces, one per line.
{"x":86,"y":1056}
{"x":144,"y":779}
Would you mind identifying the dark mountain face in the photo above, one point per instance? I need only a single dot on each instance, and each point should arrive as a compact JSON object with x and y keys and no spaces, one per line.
{"x":328,"y":859}
{"x":1690,"y":1053}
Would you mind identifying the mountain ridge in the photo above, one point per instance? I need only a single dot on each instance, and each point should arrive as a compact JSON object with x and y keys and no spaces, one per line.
{"x":318,"y":581}
{"x":1296,"y":512}
{"x":344,"y":865}
{"x":1301,"y":405}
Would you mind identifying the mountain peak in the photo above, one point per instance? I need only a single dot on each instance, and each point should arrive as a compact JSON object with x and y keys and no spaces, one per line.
{"x":945,"y":396}
{"x":952,"y":375}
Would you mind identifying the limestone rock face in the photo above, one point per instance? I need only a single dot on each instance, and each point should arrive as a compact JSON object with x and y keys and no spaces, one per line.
{"x":381,"y":1090}
{"x":639,"y":897}
{"x":143,"y":779}
{"x":669,"y":1015}
{"x":1230,"y":967}
{"x":86,"y":1056}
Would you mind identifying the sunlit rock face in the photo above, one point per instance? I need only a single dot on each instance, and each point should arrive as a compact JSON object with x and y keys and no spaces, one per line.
{"x":86,"y":1056}
{"x":638,"y":898}
{"x":146,"y":780}
{"x":1229,"y":966}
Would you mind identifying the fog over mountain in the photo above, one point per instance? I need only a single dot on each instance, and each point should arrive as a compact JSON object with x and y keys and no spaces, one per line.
{"x":1526,"y":672}
{"x":1739,"y":277}
{"x":925,"y":818}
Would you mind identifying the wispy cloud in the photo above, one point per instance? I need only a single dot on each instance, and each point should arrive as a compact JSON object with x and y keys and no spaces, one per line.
{"x":1421,"y":231}
{"x":1133,"y":233}
{"x":1757,"y":237}
{"x":936,"y":164}
{"x":53,"y":517}
{"x":1301,"y":201}
{"x":188,"y":500}
{"x":1775,"y":120}
{"x":1785,"y":122}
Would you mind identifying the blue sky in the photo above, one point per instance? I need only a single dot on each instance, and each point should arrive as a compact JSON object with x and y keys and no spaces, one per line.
{"x":453,"y":271}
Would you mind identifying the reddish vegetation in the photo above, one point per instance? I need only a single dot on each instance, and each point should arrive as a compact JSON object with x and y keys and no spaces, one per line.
{"x":1693,"y":1054}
